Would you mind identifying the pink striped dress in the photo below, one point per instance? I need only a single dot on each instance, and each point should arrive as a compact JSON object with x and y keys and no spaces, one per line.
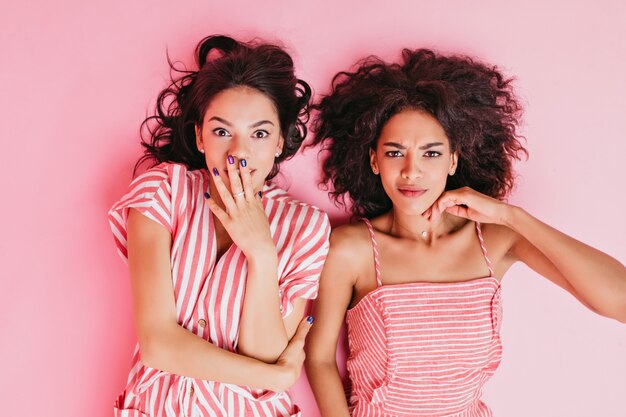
{"x":424,"y":349}
{"x":209,"y":292}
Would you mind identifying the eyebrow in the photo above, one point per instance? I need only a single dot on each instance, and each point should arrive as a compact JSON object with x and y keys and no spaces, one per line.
{"x":227,"y":123}
{"x":423,"y":147}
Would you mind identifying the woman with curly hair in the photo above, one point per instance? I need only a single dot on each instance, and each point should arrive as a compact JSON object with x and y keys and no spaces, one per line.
{"x":221,"y":261}
{"x":423,"y":149}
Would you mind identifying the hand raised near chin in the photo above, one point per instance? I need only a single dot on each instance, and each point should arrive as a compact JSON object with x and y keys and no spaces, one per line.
{"x":470,"y":204}
{"x":243,"y":215}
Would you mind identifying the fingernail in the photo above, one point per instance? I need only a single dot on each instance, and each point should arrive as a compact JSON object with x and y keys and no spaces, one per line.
{"x":230,"y":159}
{"x":310,"y":319}
{"x":216,"y":172}
{"x":243,"y":163}
{"x":207,"y":195}
{"x":260,"y":194}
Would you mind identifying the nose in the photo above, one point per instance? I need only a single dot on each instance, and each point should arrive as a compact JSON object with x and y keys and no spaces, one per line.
{"x":240,"y":148}
{"x":411,"y":168}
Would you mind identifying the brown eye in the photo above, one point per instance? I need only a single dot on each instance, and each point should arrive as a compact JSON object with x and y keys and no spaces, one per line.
{"x":260,"y":134}
{"x":221,"y":132}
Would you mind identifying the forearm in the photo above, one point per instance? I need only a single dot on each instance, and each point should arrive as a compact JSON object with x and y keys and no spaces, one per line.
{"x":598,"y":279}
{"x":262,"y":333}
{"x":328,"y":388}
{"x":176,"y":350}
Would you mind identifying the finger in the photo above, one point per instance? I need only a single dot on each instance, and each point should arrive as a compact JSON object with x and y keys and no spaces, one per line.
{"x":221,"y":215}
{"x":439,"y":206}
{"x":302,"y":330}
{"x":246,"y":179}
{"x":236,"y":188}
{"x":428,"y":213}
{"x":459,"y":211}
{"x":225,"y":196}
{"x":435,"y":213}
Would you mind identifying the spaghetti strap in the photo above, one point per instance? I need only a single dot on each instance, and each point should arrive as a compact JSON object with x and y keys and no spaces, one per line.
{"x":484,"y":248}
{"x":379,"y":281}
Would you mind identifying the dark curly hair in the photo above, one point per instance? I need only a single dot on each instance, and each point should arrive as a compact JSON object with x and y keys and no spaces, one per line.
{"x":224,"y":63}
{"x":473,"y":102}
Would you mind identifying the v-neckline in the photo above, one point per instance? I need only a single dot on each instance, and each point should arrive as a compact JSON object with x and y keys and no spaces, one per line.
{"x":217,"y":260}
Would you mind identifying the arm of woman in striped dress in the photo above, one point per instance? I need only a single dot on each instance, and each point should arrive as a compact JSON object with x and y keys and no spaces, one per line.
{"x":263,"y":332}
{"x":167,"y":346}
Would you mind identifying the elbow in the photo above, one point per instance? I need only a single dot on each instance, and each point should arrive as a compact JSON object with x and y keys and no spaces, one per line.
{"x":621,"y":317}
{"x":150,"y":353}
{"x":313,"y":363}
{"x":154,"y":352}
{"x":617,"y":311}
{"x":619,"y":306}
{"x":310,"y":361}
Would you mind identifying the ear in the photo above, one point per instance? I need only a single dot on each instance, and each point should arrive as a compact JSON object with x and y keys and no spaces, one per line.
{"x":374,"y":162}
{"x":280,"y":144}
{"x":454,"y":162}
{"x":199,"y":142}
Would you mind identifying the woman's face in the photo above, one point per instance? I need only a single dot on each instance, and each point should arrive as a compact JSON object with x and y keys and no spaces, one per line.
{"x":243,"y":123}
{"x":414,"y":160}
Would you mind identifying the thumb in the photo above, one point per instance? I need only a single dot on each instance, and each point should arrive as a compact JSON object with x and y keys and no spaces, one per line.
{"x":303,"y":329}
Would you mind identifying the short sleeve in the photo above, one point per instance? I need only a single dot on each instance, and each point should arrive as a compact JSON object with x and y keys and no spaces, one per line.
{"x":150,"y":194}
{"x":301,"y":279}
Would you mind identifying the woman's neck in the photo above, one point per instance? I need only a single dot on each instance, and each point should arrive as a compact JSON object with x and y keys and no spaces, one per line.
{"x":419,"y":228}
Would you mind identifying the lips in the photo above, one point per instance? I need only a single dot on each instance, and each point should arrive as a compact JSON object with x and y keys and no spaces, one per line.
{"x":410,"y":191}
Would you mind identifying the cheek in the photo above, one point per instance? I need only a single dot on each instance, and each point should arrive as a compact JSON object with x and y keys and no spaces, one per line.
{"x":215,"y":147}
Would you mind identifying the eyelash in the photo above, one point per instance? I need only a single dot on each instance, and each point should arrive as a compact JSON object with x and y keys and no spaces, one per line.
{"x":428,"y":154}
{"x":265,"y":134}
{"x":219,"y":130}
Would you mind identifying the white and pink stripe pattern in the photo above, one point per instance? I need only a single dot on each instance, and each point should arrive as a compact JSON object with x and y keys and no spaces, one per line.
{"x":424,"y":349}
{"x":209,"y":292}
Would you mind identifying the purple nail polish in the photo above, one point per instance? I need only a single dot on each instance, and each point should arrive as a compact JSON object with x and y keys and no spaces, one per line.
{"x":243,"y":163}
{"x":216,"y":172}
{"x":260,"y":194}
{"x":207,"y":195}
{"x":230,"y":159}
{"x":310,"y":319}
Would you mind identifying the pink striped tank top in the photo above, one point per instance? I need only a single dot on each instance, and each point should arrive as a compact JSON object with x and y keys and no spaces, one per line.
{"x":424,"y":348}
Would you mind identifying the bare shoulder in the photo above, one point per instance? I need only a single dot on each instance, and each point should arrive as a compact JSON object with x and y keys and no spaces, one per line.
{"x":350,"y":249}
{"x":499,"y":241}
{"x":350,"y":239}
{"x":497,"y":230}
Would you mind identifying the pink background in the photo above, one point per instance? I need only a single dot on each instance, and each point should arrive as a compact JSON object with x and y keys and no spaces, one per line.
{"x":78,"y":77}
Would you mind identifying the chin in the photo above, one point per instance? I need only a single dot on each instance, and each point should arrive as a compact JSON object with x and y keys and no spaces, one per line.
{"x":410,"y":209}
{"x":411,"y":206}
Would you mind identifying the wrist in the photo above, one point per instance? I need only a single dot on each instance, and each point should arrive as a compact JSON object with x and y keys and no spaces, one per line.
{"x":263,"y":255}
{"x":511,"y":216}
{"x":283,"y":377}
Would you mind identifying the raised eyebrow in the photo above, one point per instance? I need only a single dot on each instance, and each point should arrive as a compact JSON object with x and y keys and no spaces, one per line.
{"x":260,"y":123}
{"x":219,"y":119}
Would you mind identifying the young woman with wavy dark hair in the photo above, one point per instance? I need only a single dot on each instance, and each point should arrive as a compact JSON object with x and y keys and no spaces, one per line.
{"x":423,"y":150}
{"x":221,"y":261}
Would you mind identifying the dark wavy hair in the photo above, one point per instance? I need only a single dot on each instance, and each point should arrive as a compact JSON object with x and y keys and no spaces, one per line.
{"x":224,"y":63}
{"x":473,"y":102}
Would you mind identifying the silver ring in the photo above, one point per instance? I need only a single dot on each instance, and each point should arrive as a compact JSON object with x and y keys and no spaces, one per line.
{"x":238,"y":194}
